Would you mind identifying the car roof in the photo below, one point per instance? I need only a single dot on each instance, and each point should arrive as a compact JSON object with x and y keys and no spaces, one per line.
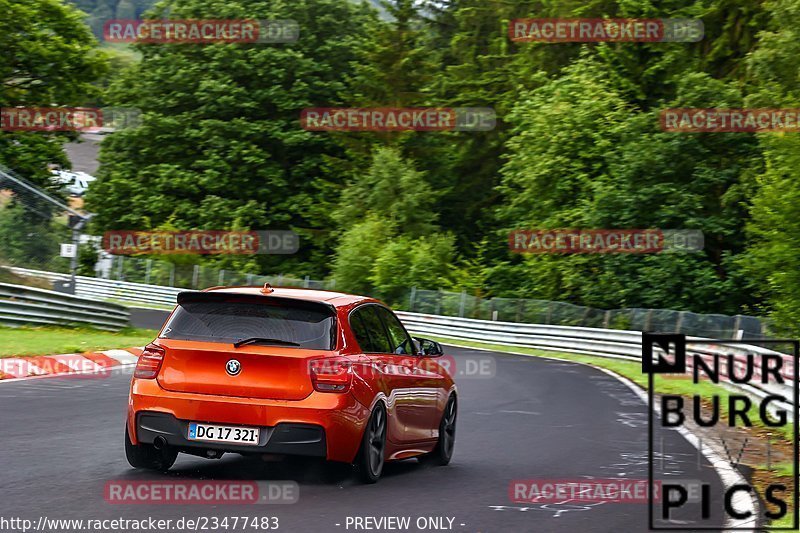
{"x":337,"y":299}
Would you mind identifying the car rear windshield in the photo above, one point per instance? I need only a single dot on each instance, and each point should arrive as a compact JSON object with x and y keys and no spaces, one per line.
{"x":308,"y":325}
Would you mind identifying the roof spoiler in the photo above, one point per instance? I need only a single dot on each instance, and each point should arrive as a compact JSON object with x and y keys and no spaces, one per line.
{"x":260,"y":298}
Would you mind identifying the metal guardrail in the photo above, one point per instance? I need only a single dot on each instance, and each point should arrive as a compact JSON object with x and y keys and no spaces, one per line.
{"x":125,"y":291}
{"x":107,"y":289}
{"x":532,"y":311}
{"x":21,"y":305}
{"x":122,"y":291}
{"x":612,"y":343}
{"x":618,"y":344}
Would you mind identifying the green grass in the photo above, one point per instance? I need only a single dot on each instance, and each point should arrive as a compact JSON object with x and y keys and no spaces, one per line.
{"x":48,"y":341}
{"x":679,"y":385}
{"x":785,"y":469}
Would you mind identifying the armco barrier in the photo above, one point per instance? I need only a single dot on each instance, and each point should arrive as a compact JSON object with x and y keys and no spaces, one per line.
{"x":614,"y":343}
{"x":107,"y":289}
{"x":125,"y":291}
{"x":20,"y":305}
{"x":618,"y":344}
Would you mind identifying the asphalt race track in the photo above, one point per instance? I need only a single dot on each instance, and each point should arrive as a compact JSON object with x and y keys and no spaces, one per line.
{"x":534,"y":419}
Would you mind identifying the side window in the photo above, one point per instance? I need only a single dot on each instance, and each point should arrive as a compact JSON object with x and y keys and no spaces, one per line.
{"x":401,"y":342}
{"x":369,"y":330}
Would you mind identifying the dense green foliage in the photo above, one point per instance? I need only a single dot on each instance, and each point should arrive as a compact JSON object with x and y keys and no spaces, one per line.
{"x":577,"y":145}
{"x":48,"y":57}
{"x":772,"y":260}
{"x":220,"y":146}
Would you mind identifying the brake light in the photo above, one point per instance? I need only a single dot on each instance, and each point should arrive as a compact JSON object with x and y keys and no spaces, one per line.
{"x":149,"y":362}
{"x":333,"y":374}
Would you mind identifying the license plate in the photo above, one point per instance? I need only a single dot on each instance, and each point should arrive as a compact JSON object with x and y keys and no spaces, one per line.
{"x":232,"y":434}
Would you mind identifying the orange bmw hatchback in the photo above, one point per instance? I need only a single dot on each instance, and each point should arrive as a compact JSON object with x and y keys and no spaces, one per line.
{"x":323,"y":374}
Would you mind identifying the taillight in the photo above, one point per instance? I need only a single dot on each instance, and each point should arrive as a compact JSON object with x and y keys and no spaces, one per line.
{"x":149,"y":362}
{"x":333,"y":374}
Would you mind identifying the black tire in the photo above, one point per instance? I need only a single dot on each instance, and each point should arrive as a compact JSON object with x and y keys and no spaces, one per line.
{"x":371,"y":458}
{"x":145,"y":456}
{"x":441,"y":455}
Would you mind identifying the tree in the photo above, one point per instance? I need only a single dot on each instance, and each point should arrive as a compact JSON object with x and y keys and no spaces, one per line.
{"x":397,"y":246}
{"x":772,"y":262}
{"x":772,"y":258}
{"x":220,"y":145}
{"x":583,"y":157}
{"x":392,"y":70}
{"x":356,"y":253}
{"x":405,"y":262}
{"x":394,"y":190}
{"x":396,"y":65}
{"x":27,"y":240}
{"x":49,"y":58}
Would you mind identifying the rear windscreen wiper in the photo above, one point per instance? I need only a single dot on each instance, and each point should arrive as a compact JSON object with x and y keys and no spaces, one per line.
{"x":242,"y":342}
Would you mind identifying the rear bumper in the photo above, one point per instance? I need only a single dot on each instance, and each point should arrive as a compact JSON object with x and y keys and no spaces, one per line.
{"x":321,"y":425}
{"x":285,"y":438}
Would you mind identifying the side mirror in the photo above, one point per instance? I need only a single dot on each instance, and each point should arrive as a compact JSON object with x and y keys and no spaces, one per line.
{"x":429,"y":348}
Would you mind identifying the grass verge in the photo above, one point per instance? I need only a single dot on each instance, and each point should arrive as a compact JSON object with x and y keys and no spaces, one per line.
{"x":30,"y":341}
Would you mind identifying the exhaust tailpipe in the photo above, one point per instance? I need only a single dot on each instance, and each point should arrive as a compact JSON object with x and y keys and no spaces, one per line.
{"x":160,"y":443}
